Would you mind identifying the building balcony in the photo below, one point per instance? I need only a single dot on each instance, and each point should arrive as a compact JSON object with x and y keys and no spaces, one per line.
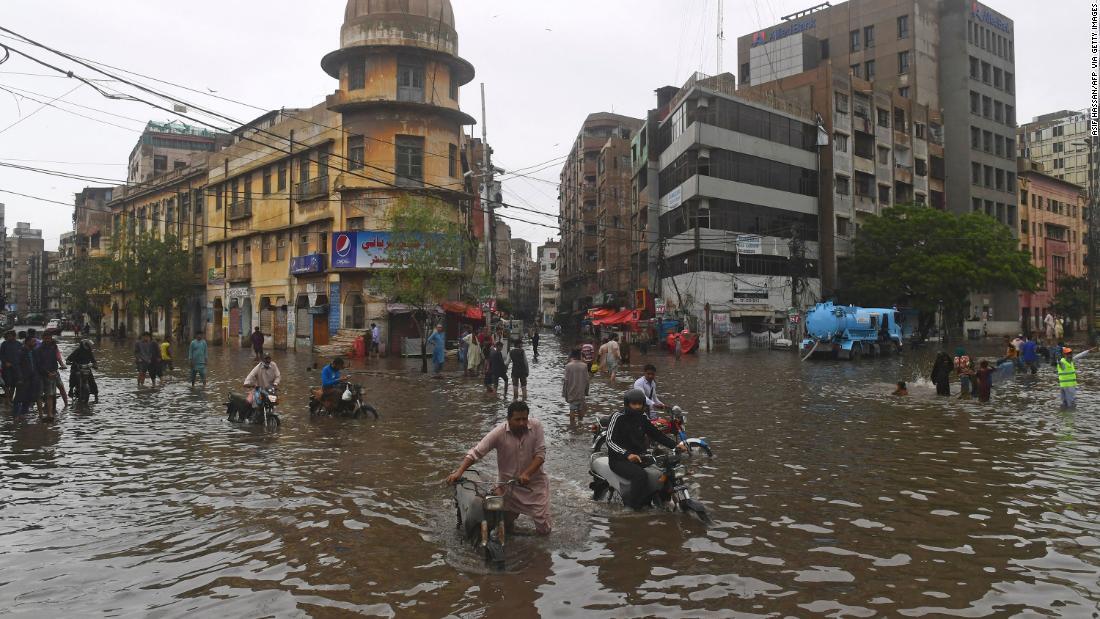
{"x":311,"y":189}
{"x":238,"y":273}
{"x":864,"y":203}
{"x":241,"y":209}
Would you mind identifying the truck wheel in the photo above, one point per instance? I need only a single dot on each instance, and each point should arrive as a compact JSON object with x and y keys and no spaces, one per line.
{"x":857,"y":352}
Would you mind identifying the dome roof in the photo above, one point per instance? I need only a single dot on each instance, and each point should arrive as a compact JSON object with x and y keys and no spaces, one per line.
{"x":434,"y":10}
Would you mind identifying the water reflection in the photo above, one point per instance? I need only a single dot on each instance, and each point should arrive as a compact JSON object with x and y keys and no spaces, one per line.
{"x":830,"y":496}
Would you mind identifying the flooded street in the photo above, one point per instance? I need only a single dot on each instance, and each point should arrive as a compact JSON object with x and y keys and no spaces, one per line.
{"x":829,"y":497}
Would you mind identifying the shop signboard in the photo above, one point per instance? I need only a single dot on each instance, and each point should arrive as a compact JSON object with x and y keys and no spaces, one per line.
{"x":309,"y":263}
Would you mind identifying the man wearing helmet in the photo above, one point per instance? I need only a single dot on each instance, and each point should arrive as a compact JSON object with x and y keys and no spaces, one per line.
{"x":626,"y":443}
{"x":1067,"y":375}
{"x":83,"y":355}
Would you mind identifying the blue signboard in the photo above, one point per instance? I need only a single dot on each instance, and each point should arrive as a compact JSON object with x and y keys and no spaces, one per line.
{"x":984,"y":15}
{"x":310,"y":263}
{"x":780,"y":32}
{"x":334,"y":307}
{"x":364,"y":249}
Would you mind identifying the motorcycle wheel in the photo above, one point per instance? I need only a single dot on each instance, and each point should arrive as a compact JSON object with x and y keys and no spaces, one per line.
{"x":704,"y":448}
{"x":695,"y":507}
{"x":272,"y":420}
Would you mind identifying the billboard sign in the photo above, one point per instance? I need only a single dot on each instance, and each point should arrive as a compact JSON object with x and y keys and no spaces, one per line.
{"x":364,"y":249}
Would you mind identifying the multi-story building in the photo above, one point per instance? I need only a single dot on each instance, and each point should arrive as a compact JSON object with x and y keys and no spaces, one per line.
{"x":24,"y":245}
{"x":53,"y":284}
{"x":1053,"y":231}
{"x":502,"y":259}
{"x":62,"y":267}
{"x":738,"y":207}
{"x":614,"y":177}
{"x":168,"y":146}
{"x":5,"y":263}
{"x":293,"y":180}
{"x":1058,"y":141}
{"x":548,"y":282}
{"x":921,"y":64}
{"x":168,"y":206}
{"x":525,"y":284}
{"x":91,"y":220}
{"x":644,"y":215}
{"x":579,"y":207}
{"x":38,"y":292}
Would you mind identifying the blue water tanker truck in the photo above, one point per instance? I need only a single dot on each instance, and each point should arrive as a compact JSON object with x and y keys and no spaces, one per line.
{"x":849,"y":332}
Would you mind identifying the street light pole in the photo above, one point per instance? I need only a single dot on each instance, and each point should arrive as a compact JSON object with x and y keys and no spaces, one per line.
{"x":1090,"y":229}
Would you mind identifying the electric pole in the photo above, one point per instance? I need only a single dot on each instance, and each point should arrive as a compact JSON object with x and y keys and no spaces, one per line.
{"x":486,"y":208}
{"x":721,"y":33}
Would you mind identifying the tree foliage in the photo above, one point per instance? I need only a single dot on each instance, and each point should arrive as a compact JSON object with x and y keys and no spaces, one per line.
{"x":1072,"y":299}
{"x":86,"y":287}
{"x":427,"y":264}
{"x":923,"y":257}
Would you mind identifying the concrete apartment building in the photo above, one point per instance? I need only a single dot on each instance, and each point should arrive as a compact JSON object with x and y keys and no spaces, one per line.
{"x":524,"y":293}
{"x":579,"y":199}
{"x":922,"y":66}
{"x":1058,"y":141}
{"x":548,"y":282}
{"x":91,"y":219}
{"x":168,"y":146}
{"x":23,"y":246}
{"x":5,"y":262}
{"x":1053,"y":231}
{"x":644,"y":216}
{"x":615,"y":238}
{"x":738,"y":208}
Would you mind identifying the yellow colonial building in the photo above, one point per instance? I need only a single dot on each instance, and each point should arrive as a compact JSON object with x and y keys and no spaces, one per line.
{"x":297,"y":205}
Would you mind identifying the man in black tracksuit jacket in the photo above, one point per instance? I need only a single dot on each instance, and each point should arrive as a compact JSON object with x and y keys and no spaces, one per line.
{"x":626,"y":445}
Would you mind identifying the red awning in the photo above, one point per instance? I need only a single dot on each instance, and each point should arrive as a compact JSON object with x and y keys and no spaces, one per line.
{"x":624,"y":317}
{"x":463,"y":311}
{"x":475,"y":313}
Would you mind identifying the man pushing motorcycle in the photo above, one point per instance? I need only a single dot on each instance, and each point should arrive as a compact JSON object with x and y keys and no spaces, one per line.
{"x":626,"y":444}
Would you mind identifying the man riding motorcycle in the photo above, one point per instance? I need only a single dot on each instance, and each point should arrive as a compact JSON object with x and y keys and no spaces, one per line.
{"x":264,"y":377}
{"x":626,"y":444}
{"x":83,"y":355}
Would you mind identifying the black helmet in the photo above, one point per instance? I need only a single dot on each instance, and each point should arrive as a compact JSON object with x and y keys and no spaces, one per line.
{"x":633,"y":396}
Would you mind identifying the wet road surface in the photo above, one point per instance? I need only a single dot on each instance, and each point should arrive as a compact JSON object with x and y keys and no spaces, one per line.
{"x":829,"y":497}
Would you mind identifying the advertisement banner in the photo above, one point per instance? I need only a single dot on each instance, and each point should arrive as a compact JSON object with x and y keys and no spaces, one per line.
{"x":367,"y":249}
{"x":310,"y":263}
{"x":334,"y":307}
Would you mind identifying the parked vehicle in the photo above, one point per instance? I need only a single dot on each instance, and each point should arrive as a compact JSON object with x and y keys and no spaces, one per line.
{"x":849,"y":332}
{"x":675,"y":425}
{"x":665,"y":487}
{"x":348,"y":404}
{"x":82,"y":388}
{"x":240,"y":410}
{"x":479,"y":507}
{"x":53,"y":327}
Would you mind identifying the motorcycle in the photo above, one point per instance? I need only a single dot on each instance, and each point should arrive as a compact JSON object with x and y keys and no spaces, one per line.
{"x":479,"y":507}
{"x":349,"y":404}
{"x":81,"y":389}
{"x":674,"y":425}
{"x":665,"y":488}
{"x":240,"y":410}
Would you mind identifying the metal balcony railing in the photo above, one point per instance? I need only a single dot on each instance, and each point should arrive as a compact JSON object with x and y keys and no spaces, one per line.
{"x":311,"y":189}
{"x":239,"y":273}
{"x":240,"y":209}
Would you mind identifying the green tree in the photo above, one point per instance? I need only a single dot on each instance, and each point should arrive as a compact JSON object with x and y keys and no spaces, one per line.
{"x":1072,"y":300}
{"x":426,"y":258}
{"x":86,"y":287}
{"x":155,"y":272}
{"x":926,"y":258}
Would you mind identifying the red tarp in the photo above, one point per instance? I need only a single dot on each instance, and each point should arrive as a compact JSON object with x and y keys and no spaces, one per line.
{"x":688,"y":341}
{"x":610,"y":318}
{"x":469,"y":312}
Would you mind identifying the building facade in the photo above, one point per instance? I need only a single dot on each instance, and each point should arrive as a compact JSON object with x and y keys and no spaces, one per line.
{"x":738,"y":209}
{"x":942,"y":63}
{"x":1058,"y":141}
{"x":24,"y":246}
{"x":1053,"y":230}
{"x":164,"y":147}
{"x":579,"y":207}
{"x":548,"y":282}
{"x":525,"y":281}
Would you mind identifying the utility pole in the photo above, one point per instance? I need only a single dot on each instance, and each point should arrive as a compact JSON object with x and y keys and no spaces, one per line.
{"x":486,"y":207}
{"x":797,"y":262}
{"x":721,"y":33}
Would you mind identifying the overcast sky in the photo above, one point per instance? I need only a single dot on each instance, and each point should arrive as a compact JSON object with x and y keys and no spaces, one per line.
{"x":545,"y":66}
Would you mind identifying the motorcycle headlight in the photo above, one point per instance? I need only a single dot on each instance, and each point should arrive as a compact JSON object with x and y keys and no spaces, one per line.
{"x":273,"y":398}
{"x":493,"y":503}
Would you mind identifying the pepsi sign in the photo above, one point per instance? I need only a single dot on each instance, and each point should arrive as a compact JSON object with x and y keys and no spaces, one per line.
{"x":343,"y":254}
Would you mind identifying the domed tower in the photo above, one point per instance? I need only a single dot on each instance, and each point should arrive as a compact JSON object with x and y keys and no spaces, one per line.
{"x":400,"y":74}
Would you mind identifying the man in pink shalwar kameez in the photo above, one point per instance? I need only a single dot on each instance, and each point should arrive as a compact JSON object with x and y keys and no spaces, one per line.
{"x":521,"y":451}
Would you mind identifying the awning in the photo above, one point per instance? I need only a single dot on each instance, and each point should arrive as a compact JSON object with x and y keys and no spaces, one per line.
{"x":623,"y":317}
{"x":401,"y":308}
{"x":464,"y":311}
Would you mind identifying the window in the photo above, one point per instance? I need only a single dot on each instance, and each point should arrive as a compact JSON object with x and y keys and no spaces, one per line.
{"x":883,"y":155}
{"x":280,"y":247}
{"x":410,"y":81}
{"x":975,"y":173}
{"x":903,"y":27}
{"x":179,"y":165}
{"x":1010,"y":116}
{"x":986,"y":72}
{"x":869,"y":67}
{"x":843,"y":185}
{"x":884,"y":195}
{"x":853,"y":41}
{"x":1010,"y":83}
{"x":883,"y":117}
{"x":1058,"y":131}
{"x":921,"y":167}
{"x":919,"y":199}
{"x":267,"y":181}
{"x":454,"y":87}
{"x":355,"y":152}
{"x":1010,"y":182}
{"x":998,"y":78}
{"x":987,"y":107}
{"x":745,"y":72}
{"x":303,"y":169}
{"x":840,"y":142}
{"x":281,"y":176}
{"x":842,"y":226}
{"x":868,"y":36}
{"x":218,"y":256}
{"x":265,"y":249}
{"x":987,"y":173}
{"x":899,"y":120}
{"x":975,"y":70}
{"x":355,"y":223}
{"x":841,"y":103}
{"x":998,"y":111}
{"x":824,"y":52}
{"x":903,"y":92}
{"x":987,"y":141}
{"x":410,"y":161}
{"x":452,"y":160}
{"x":999,"y":145}
{"x":160,"y":164}
{"x":357,"y":74}
{"x":857,"y":70}
{"x":303,"y":244}
{"x":975,"y":138}
{"x":1010,"y":148}
{"x":975,"y":103}
{"x":903,"y":62}
{"x":918,"y":130}
{"x":218,"y":198}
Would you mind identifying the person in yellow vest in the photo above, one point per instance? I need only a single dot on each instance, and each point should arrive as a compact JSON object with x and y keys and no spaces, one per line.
{"x":1067,"y":375}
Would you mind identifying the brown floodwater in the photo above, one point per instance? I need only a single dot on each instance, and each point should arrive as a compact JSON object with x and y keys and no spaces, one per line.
{"x":829,"y":498}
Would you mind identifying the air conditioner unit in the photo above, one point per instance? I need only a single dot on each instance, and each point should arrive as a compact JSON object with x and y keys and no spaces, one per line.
{"x":703,"y":103}
{"x":704,"y":153}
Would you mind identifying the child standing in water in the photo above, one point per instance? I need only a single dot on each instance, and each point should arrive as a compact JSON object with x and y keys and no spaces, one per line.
{"x":985,"y":381}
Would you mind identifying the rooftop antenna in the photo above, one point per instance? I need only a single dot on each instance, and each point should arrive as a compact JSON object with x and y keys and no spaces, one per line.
{"x":721,"y":34}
